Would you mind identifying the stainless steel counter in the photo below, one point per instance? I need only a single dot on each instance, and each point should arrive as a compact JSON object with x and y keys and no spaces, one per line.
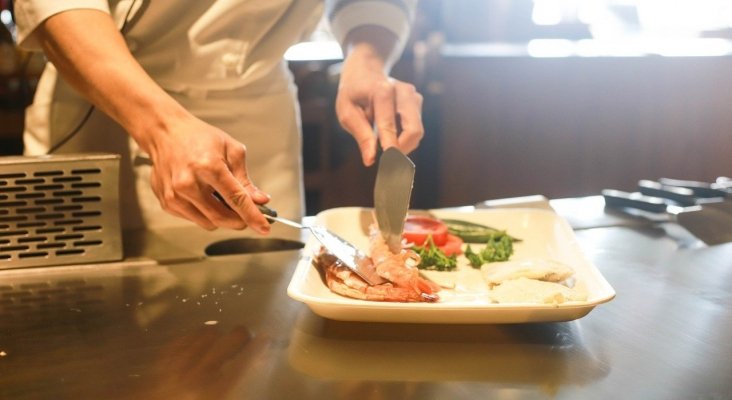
{"x":170,"y":323}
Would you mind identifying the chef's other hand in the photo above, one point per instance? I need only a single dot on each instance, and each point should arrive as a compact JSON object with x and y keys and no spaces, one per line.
{"x":193,"y":161}
{"x":368,"y":97}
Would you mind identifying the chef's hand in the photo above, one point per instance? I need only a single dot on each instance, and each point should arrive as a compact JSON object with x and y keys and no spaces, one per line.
{"x":367,"y":97}
{"x":192,"y":160}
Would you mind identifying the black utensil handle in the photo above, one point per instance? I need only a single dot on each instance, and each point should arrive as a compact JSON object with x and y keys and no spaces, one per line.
{"x":700,"y":189}
{"x":619,"y":199}
{"x":682,"y":196}
{"x":266,"y":210}
{"x":262,"y":208}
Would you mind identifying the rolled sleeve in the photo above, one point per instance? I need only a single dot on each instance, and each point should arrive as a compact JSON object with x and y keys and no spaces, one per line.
{"x":31,"y":13}
{"x":394,"y":15}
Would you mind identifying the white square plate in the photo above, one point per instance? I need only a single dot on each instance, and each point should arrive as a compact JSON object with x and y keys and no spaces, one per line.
{"x":543,"y":234}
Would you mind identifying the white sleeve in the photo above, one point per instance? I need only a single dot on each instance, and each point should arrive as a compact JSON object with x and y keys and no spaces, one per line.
{"x":394,"y":15}
{"x":31,"y":13}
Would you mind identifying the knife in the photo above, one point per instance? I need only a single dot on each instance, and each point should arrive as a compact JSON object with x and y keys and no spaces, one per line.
{"x":709,"y":224}
{"x":700,"y":189}
{"x":392,"y":191}
{"x":686,"y":193}
{"x":682,"y":196}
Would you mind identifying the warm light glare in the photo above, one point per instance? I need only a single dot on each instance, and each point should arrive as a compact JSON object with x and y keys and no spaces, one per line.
{"x":610,"y":48}
{"x":632,"y":28}
{"x":5,"y":17}
{"x":706,"y":47}
{"x":317,"y":50}
{"x":702,"y":47}
{"x":546,"y":12}
{"x":551,"y":48}
{"x":683,"y":16}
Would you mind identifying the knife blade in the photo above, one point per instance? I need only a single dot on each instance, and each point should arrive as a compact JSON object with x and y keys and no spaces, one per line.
{"x":392,"y":192}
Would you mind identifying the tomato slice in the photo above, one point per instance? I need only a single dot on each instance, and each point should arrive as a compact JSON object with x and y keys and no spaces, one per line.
{"x":417,"y":228}
{"x":453,"y":245}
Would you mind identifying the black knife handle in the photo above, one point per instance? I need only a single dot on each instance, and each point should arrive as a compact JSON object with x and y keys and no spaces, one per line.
{"x":619,"y":199}
{"x":682,"y":196}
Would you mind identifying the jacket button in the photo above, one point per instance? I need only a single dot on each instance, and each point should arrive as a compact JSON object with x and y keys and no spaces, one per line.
{"x":232,"y":64}
{"x":230,"y":60}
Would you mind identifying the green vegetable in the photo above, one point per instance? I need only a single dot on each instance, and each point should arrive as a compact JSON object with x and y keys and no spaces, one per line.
{"x":432,"y":258}
{"x":474,"y":258}
{"x":498,"y":247}
{"x":471,"y":232}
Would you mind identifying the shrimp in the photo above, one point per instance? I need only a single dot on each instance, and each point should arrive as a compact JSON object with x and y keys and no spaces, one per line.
{"x":398,"y":268}
{"x":405,"y":284}
{"x":345,"y":282}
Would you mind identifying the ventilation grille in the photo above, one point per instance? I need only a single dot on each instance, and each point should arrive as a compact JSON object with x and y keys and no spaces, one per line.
{"x":59,"y":210}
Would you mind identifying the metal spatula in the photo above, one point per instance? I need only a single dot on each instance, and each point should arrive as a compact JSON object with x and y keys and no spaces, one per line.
{"x":348,"y":254}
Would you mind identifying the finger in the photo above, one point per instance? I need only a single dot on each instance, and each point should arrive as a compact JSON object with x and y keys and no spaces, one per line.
{"x":185,"y":209}
{"x":193,"y":194}
{"x":355,"y":121}
{"x":240,"y":201}
{"x":384,"y":103}
{"x":236,"y":159}
{"x":409,"y":108}
{"x":176,"y":206}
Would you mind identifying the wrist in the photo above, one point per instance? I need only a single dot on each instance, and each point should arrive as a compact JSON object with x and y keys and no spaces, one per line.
{"x":367,"y":56}
{"x":372,"y":45}
{"x":155,"y":121}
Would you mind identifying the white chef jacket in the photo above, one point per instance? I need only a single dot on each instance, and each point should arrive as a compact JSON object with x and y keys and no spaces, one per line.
{"x":223,"y":61}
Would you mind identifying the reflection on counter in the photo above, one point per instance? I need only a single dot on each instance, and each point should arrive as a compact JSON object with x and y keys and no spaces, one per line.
{"x":164,"y":331}
{"x":545,"y":355}
{"x":249,"y":246}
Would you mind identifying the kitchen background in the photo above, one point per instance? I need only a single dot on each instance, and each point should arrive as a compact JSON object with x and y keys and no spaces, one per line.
{"x":555,"y":97}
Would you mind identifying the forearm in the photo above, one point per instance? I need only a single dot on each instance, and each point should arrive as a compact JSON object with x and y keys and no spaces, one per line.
{"x":89,"y":52}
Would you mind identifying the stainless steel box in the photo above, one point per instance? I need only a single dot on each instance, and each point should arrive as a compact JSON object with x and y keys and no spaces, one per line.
{"x":59,"y":210}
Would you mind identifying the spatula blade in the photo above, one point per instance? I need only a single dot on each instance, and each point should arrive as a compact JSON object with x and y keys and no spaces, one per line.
{"x":353,"y":258}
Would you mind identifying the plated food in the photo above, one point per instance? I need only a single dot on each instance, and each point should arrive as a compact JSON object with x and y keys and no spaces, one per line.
{"x":541,"y":281}
{"x":525,"y":290}
{"x":465,"y":294}
{"x":429,"y":245}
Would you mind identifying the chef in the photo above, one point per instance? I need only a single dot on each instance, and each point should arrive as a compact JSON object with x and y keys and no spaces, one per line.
{"x":196,"y":97}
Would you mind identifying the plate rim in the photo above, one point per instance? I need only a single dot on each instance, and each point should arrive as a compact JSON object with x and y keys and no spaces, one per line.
{"x":296,"y":292}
